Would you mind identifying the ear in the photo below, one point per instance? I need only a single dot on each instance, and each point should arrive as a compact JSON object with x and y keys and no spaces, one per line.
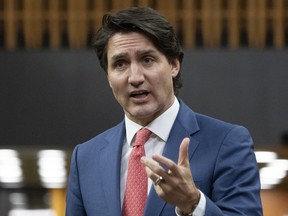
{"x":175,"y":67}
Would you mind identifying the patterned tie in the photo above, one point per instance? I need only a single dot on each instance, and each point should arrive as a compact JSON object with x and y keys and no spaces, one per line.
{"x":137,"y":180}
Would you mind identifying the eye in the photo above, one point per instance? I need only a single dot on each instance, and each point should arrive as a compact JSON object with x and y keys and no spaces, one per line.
{"x":148,"y":60}
{"x":120,"y":65}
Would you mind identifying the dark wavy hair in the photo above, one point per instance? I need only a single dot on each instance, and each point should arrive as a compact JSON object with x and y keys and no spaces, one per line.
{"x":143,"y":20}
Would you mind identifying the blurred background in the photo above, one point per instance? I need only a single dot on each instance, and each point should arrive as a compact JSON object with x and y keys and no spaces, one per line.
{"x":54,"y":95}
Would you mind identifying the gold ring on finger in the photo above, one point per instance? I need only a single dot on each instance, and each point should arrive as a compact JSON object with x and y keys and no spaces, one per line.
{"x":158,"y":180}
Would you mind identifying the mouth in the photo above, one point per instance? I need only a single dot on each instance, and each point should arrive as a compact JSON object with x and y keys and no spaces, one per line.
{"x":141,"y":94}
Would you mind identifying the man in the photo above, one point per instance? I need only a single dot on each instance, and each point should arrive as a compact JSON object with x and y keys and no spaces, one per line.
{"x":193,"y":164}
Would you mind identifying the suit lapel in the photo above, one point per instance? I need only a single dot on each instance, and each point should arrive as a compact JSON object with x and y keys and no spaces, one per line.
{"x":110,"y":162}
{"x":185,"y":125}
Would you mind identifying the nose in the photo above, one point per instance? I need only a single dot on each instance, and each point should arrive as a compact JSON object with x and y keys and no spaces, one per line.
{"x":136,"y":76}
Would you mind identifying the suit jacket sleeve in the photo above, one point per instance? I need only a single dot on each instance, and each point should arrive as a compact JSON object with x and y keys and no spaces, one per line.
{"x":74,"y":203}
{"x":236,"y":186}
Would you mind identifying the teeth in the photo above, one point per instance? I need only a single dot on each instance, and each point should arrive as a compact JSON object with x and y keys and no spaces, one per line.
{"x":139,"y":93}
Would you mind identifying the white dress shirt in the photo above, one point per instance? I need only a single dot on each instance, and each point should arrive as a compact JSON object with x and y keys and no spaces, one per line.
{"x":160,"y":128}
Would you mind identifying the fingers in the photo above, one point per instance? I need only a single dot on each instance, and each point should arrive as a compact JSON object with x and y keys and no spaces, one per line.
{"x":183,"y":160}
{"x":184,"y":153}
{"x":158,"y":180}
{"x":173,"y":182}
{"x":168,"y":165}
{"x":162,"y":166}
{"x":153,"y":169}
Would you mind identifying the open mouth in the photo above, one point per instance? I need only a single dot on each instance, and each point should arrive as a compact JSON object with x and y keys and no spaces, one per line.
{"x":139,"y":94}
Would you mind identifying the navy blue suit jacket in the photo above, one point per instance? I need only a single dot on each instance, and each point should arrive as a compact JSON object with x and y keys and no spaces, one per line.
{"x":222,"y":162}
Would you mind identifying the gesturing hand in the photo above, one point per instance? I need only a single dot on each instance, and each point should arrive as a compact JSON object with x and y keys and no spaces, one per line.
{"x":177,"y":186}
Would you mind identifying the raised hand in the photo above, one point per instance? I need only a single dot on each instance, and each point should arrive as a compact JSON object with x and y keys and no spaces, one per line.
{"x":174,"y":182}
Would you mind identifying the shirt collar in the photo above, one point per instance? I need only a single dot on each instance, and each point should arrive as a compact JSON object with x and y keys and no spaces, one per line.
{"x":161,"y":126}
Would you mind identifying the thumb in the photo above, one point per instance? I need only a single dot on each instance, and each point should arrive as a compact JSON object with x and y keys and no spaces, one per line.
{"x":183,"y":153}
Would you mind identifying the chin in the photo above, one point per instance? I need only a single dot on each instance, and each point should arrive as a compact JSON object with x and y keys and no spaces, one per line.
{"x":146,"y":116}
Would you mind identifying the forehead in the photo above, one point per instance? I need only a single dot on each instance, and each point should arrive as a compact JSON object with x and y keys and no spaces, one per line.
{"x":127,"y":42}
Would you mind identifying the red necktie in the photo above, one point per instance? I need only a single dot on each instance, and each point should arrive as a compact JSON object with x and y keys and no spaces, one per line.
{"x":137,"y":180}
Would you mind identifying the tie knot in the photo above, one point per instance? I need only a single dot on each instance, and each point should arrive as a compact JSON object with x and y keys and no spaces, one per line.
{"x":142,"y":136}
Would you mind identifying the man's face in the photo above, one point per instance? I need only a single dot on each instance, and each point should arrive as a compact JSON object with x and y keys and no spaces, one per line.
{"x":140,"y":76}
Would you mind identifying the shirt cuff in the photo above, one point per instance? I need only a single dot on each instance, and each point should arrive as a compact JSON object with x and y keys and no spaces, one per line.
{"x":200,"y":208}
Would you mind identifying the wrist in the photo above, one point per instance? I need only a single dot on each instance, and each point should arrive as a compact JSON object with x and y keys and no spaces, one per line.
{"x":188,"y":209}
{"x":179,"y":212}
{"x":188,"y":212}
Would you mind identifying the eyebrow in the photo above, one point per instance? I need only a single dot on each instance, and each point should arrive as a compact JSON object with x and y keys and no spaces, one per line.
{"x":145,"y":52}
{"x":138,"y":53}
{"x":119,"y":56}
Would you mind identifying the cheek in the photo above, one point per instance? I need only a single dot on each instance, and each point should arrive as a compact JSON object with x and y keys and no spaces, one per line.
{"x":116,"y":84}
{"x":165,"y":79}
{"x":112,"y":85}
{"x":162,"y":86}
{"x":112,"y":81}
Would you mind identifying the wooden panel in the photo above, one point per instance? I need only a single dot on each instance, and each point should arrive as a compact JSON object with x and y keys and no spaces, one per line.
{"x":278,"y":17}
{"x":33,"y":23}
{"x":206,"y":16}
{"x":211,"y":22}
{"x":233,"y":20}
{"x":58,"y":197}
{"x":144,"y":3}
{"x":261,"y":23}
{"x":275,"y":202}
{"x":256,"y":22}
{"x":77,"y":23}
{"x":117,"y":5}
{"x":189,"y":23}
{"x":251,"y":21}
{"x":169,"y":11}
{"x":77,"y":19}
{"x":10,"y":27}
{"x":217,"y":22}
{"x":99,"y":9}
{"x":54,"y":22}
